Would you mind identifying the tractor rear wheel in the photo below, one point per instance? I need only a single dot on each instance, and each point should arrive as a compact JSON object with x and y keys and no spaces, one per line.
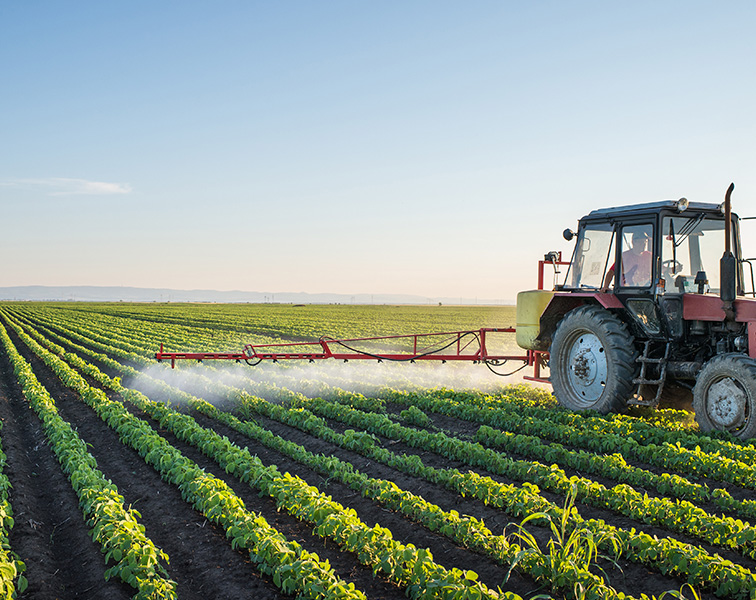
{"x":724,"y":397}
{"x":592,"y":361}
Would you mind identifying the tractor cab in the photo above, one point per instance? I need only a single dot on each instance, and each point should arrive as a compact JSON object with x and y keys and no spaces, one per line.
{"x":651,"y":249}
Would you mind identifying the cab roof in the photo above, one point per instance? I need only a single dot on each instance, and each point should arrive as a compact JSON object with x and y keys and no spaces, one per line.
{"x":652,"y":207}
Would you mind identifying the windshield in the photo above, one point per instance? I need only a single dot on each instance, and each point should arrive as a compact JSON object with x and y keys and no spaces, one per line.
{"x":691,"y":245}
{"x":588,"y":267}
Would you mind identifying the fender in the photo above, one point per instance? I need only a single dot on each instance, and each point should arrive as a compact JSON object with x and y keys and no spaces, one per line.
{"x":564,"y":302}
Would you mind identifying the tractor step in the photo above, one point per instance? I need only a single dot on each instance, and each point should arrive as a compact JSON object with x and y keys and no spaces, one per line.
{"x":642,"y":379}
{"x":639,"y":401}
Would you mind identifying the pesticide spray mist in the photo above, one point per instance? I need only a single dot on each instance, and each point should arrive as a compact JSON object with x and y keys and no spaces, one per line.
{"x":326,"y":377}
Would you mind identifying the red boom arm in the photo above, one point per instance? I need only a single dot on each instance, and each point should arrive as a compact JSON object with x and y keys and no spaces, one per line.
{"x":455,"y":346}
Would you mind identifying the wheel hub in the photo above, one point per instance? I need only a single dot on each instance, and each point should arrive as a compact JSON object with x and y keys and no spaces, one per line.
{"x":588,"y":367}
{"x":726,"y":403}
{"x":584,"y":366}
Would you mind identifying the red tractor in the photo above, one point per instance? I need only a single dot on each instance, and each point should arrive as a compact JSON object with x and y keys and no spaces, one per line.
{"x":649,"y":304}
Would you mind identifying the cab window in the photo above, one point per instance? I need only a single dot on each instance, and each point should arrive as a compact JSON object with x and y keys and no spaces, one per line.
{"x":594,"y":247}
{"x":692,"y":245}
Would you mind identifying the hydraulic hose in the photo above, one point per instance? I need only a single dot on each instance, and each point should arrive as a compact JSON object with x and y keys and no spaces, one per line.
{"x":407,"y":359}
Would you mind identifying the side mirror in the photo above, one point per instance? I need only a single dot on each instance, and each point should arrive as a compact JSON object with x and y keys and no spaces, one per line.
{"x":568,"y":234}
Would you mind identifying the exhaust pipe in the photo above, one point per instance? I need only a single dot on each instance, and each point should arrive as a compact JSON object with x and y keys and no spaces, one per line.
{"x":728,"y":264}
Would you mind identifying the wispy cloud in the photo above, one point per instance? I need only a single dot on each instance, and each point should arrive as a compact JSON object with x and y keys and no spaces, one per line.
{"x":63,"y":186}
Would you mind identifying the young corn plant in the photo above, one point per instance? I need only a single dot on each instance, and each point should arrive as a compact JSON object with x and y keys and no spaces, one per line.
{"x":572,"y":549}
{"x":681,"y":593}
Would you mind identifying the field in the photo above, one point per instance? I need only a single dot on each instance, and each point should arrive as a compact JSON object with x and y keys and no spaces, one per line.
{"x":125,"y":478}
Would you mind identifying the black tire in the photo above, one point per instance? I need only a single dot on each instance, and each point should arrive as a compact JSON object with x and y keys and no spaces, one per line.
{"x":724,"y":397}
{"x":592,"y":361}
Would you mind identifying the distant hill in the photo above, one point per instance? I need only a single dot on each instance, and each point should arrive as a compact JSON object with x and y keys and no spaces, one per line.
{"x":85,"y":293}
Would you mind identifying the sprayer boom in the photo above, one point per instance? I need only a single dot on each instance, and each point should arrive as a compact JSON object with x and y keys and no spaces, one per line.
{"x":446,"y":346}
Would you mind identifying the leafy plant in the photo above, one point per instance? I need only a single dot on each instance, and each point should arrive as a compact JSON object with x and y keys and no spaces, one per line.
{"x":414,"y":416}
{"x":570,"y":549}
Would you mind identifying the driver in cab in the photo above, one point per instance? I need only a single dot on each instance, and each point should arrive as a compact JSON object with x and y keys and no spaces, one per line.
{"x":635,"y":263}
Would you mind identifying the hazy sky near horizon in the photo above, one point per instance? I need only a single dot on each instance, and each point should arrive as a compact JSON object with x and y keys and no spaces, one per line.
{"x":423,"y":147}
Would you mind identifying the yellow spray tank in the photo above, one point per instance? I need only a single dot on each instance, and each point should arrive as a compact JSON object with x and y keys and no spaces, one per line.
{"x":530,"y":307}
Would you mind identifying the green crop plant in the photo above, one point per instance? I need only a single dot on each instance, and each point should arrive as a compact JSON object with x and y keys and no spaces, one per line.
{"x":571,"y":548}
{"x":414,"y":416}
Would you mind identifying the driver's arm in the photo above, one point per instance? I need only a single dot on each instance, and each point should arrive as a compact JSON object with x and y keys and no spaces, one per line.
{"x":608,"y":279}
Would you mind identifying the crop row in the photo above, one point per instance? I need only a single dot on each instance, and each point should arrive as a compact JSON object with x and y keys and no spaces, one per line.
{"x":625,"y":427}
{"x":476,"y":485}
{"x":104,"y":348}
{"x":680,"y":516}
{"x":135,"y":335}
{"x":12,"y":568}
{"x":291,"y":322}
{"x":467,"y":530}
{"x":148,"y":335}
{"x":614,"y":466}
{"x":516,"y":439}
{"x":667,"y":555}
{"x":127,"y":352}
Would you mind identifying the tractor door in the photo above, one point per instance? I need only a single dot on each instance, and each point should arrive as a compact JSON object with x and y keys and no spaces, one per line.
{"x":636,"y":258}
{"x":634,"y":276}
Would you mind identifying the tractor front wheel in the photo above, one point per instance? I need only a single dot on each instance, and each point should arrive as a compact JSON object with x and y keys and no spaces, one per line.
{"x":724,"y":397}
{"x":592,"y":361}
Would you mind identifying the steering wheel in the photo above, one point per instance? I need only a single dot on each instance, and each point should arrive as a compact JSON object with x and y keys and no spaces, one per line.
{"x":673,"y":267}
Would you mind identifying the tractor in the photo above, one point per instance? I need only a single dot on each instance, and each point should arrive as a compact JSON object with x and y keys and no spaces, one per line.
{"x":650,"y":303}
{"x":650,"y":306}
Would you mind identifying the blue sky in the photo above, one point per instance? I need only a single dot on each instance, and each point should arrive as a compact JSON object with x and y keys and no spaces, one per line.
{"x":432,"y":148}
